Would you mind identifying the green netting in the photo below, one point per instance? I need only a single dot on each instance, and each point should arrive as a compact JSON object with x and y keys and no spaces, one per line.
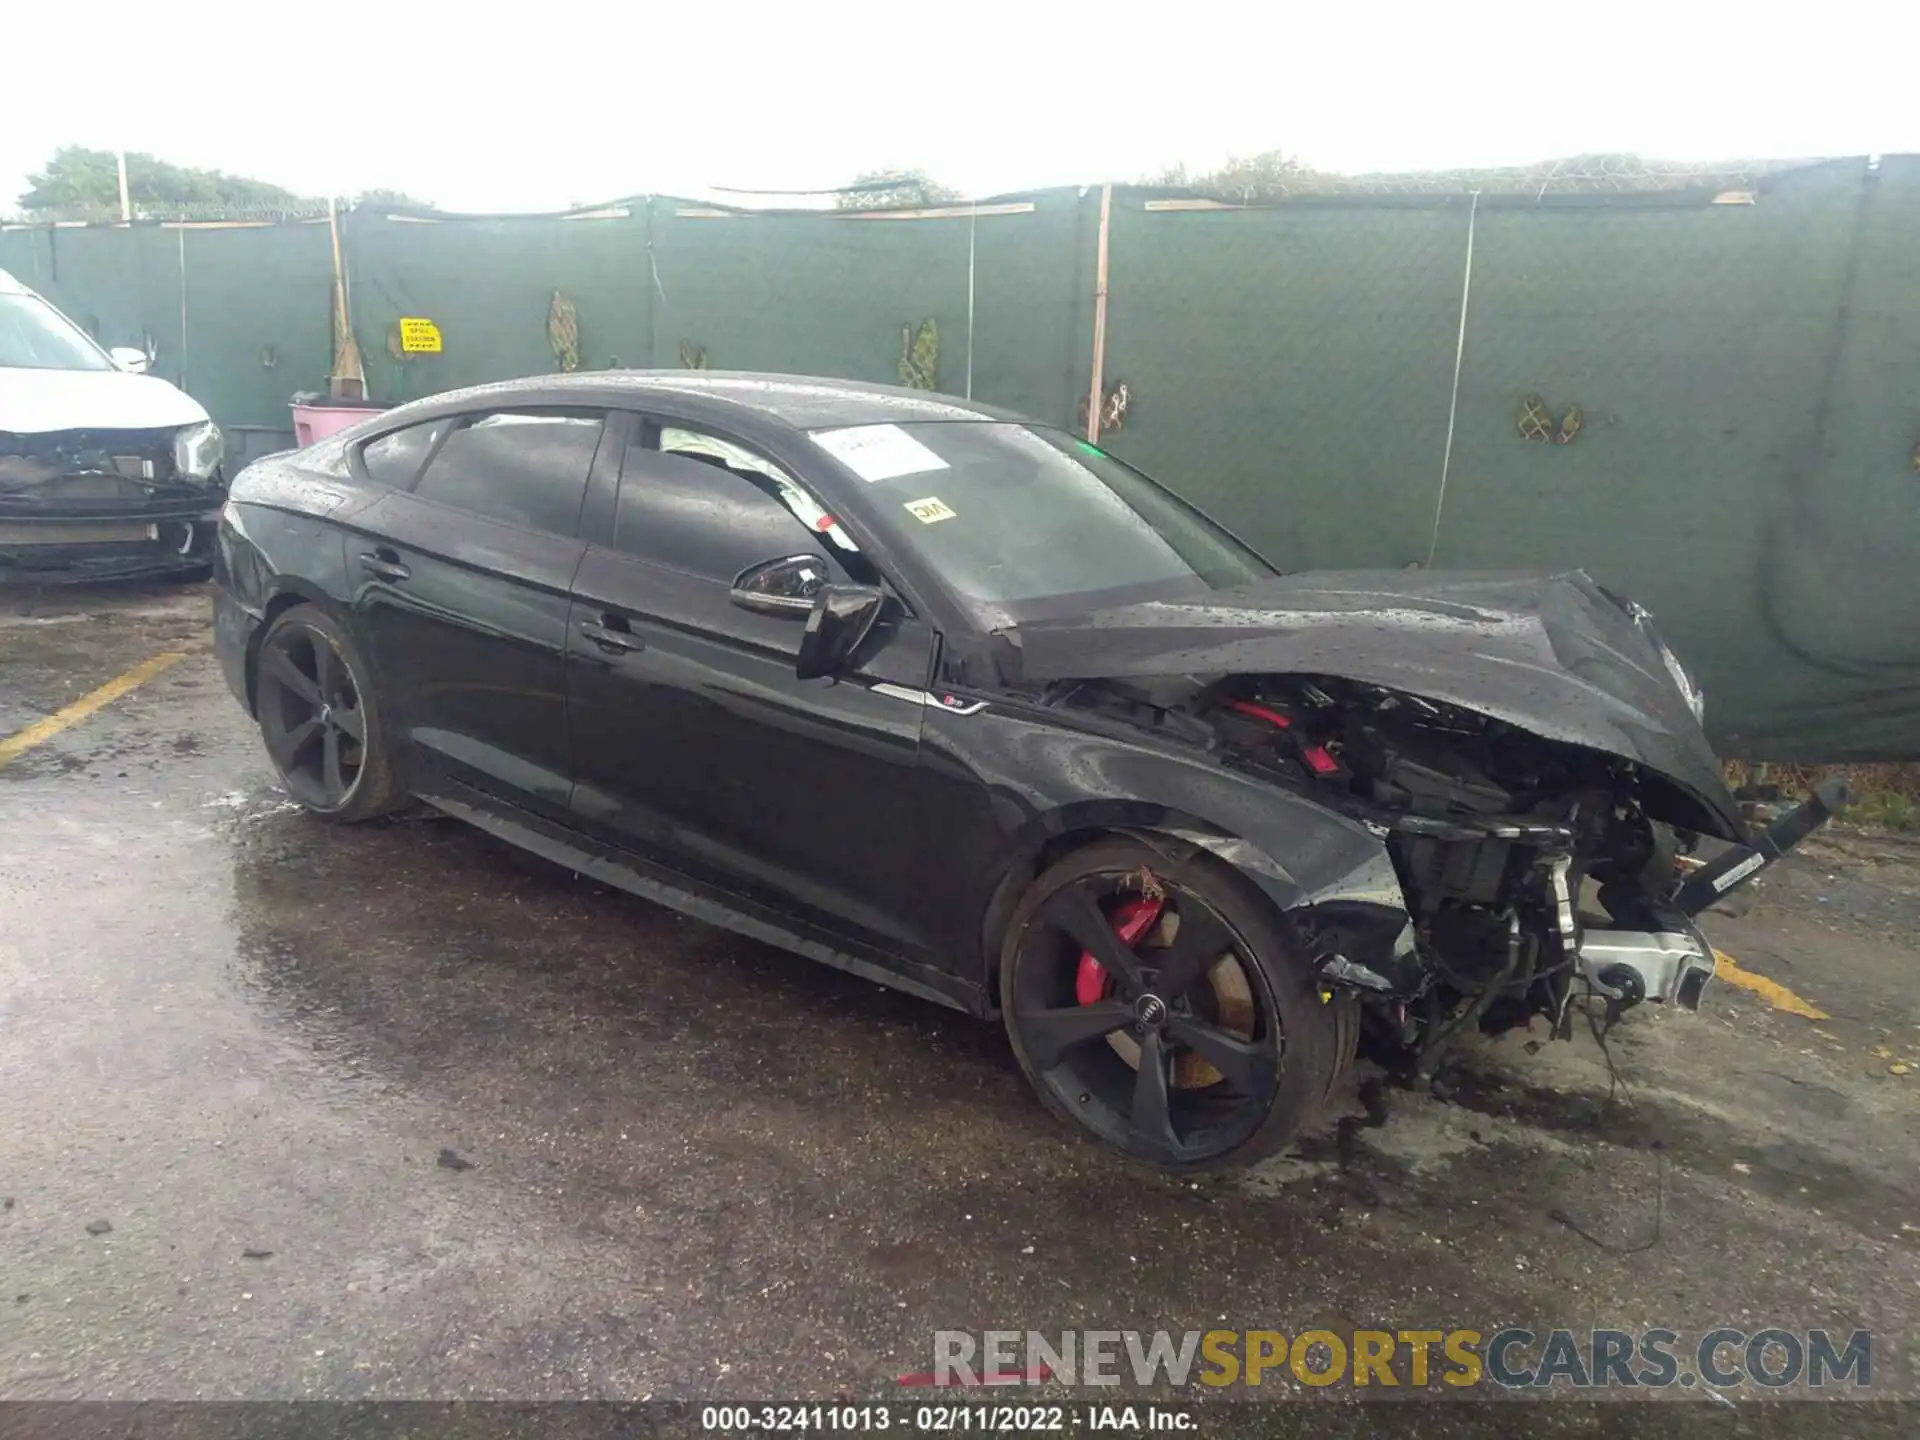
{"x":807,"y":295}
{"x":259,"y":321}
{"x":122,"y":285}
{"x":1289,"y":369}
{"x":1837,"y":580}
{"x":1033,"y":305}
{"x":488,"y":285}
{"x":1694,"y":343}
{"x":1741,"y":380}
{"x":1746,"y":375}
{"x":658,"y":283}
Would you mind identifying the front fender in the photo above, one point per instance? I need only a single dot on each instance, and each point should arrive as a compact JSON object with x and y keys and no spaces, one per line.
{"x":1046,"y":782}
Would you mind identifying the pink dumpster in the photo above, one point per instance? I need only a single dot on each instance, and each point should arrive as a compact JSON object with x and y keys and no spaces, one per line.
{"x":313,"y":422}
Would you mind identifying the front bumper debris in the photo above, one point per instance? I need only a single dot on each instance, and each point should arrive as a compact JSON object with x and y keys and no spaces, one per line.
{"x":65,"y":551}
{"x":79,"y":505}
{"x":1674,"y":963}
{"x":51,"y":545}
{"x":1720,"y":877}
{"x":1629,"y":966}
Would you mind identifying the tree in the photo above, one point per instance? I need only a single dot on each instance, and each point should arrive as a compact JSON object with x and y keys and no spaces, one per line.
{"x":1241,"y":179}
{"x":79,"y":183}
{"x":895,"y":190}
{"x":381,"y":195}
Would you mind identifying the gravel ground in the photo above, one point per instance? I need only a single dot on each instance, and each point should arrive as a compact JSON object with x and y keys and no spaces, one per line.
{"x":293,"y":1111}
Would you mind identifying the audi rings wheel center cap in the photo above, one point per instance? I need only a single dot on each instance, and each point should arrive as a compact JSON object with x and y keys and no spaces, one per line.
{"x":326,"y":714}
{"x":1150,"y":1010}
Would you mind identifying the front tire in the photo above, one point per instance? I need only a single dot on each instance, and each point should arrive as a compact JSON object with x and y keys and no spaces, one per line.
{"x":321,"y":720}
{"x":1157,"y":1002}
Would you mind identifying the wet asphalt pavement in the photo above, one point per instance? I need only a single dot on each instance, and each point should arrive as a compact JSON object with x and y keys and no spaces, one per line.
{"x":395,"y":1111}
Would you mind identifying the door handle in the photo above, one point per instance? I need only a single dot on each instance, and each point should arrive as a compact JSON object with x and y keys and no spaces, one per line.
{"x":385,"y":564}
{"x":611,"y":634}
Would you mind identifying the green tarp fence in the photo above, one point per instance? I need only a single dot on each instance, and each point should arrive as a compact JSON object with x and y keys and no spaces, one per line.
{"x":1745,"y":368}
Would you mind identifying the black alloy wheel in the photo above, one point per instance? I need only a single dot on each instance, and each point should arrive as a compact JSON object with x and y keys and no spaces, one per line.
{"x":319,"y":720}
{"x":1157,"y":1003}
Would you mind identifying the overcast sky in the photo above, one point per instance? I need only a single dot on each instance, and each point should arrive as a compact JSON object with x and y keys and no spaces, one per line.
{"x":493,"y":104}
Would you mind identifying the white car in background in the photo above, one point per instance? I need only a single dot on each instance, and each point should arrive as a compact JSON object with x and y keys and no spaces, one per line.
{"x":106,"y":472}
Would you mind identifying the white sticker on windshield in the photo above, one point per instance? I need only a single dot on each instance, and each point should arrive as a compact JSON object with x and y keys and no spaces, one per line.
{"x":878,"y":452}
{"x":929,"y":510}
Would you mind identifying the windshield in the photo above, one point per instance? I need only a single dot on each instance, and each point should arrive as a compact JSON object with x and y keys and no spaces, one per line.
{"x":1025,"y":521}
{"x":35,"y":336}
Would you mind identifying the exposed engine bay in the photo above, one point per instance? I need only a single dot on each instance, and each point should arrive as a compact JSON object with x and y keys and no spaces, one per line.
{"x":1535,"y":873}
{"x":82,"y":504}
{"x":31,"y":465}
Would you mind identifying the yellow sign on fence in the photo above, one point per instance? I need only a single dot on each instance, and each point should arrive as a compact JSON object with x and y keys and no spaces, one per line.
{"x":419,"y":336}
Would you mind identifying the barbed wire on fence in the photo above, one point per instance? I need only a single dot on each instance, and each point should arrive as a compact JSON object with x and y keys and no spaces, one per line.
{"x":1596,"y":174}
{"x":1599,"y":174}
{"x":209,"y":212}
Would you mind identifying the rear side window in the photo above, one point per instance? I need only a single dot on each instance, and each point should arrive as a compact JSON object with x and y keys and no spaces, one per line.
{"x":523,"y":467}
{"x":709,"y":507}
{"x":393,"y":460}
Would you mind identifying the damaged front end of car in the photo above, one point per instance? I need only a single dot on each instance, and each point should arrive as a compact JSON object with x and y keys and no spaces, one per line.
{"x":106,"y":504}
{"x":1533,"y":873}
{"x":1526,"y":749}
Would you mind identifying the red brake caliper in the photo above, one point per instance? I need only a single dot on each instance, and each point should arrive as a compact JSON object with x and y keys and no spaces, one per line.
{"x":1131,"y":920}
{"x":1319,"y":759}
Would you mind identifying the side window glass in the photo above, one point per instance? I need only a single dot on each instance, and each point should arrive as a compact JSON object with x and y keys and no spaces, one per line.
{"x":707,"y":506}
{"x":523,"y":467}
{"x":677,"y":440}
{"x":393,"y":460}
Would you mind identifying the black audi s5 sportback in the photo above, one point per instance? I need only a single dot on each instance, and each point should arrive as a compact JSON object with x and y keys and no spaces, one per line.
{"x":961,"y":703}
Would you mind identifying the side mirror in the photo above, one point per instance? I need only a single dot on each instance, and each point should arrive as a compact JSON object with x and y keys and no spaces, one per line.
{"x":781,"y":588}
{"x":839,"y":617}
{"x":840,"y":621}
{"x":127,"y":358}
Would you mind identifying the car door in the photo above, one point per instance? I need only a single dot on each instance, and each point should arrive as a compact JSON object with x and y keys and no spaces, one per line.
{"x":463,"y":597}
{"x":695,"y":743}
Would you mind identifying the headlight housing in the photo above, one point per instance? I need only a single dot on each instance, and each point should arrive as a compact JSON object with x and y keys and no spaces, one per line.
{"x":198,"y":451}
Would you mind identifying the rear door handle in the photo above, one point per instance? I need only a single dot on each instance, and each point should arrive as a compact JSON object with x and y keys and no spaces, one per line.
{"x":385,"y":564}
{"x":611,"y":633}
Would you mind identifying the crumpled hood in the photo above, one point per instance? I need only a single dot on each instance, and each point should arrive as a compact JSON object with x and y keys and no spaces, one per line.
{"x":34,"y":402}
{"x":1552,"y":655}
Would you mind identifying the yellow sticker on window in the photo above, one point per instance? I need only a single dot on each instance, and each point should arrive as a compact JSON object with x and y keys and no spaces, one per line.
{"x":419,"y":336}
{"x":929,"y":510}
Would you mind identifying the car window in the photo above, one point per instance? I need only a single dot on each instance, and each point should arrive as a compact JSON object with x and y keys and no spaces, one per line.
{"x":1025,"y":521}
{"x":523,"y":467}
{"x":711,"y":507}
{"x":678,"y":440}
{"x":35,"y":336}
{"x":394,"y":459}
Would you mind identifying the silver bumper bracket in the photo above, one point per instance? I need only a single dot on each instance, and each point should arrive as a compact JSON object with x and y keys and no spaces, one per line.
{"x":1632,"y":965}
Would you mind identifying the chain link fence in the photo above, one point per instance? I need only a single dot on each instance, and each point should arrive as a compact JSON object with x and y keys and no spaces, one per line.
{"x":1702,"y":384}
{"x":1573,"y":175}
{"x":201,"y":212}
{"x":1706,"y":396}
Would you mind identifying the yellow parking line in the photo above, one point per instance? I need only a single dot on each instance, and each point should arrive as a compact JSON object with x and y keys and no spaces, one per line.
{"x":1771,"y":991}
{"x":14,"y":746}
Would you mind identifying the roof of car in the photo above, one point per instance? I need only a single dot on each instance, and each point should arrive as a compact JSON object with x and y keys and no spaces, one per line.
{"x":10,"y":286}
{"x":803,"y":401}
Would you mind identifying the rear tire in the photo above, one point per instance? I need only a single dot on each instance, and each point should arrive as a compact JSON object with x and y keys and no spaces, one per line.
{"x":1212,"y":1053}
{"x":321,"y":721}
